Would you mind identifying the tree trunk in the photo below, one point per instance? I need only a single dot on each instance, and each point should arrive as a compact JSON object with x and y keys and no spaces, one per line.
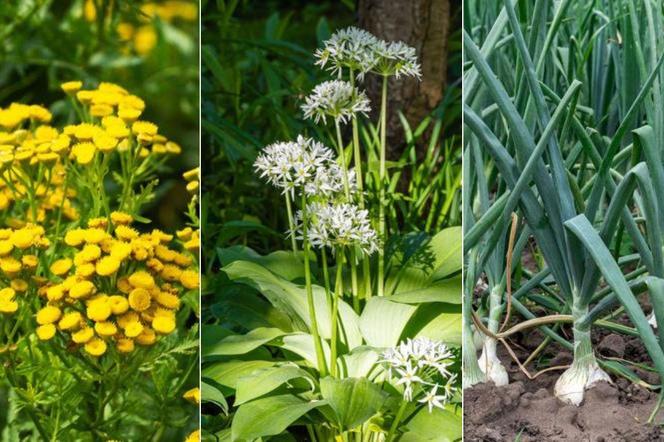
{"x":425,"y":25}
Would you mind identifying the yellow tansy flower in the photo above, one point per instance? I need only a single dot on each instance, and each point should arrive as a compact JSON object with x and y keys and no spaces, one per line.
{"x":48,"y":315}
{"x":193,"y":395}
{"x":46,"y":332}
{"x":95,"y":347}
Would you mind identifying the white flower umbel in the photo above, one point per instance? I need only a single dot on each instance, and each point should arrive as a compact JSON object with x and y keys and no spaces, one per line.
{"x":421,"y":366}
{"x":293,"y":164}
{"x":584,"y":372}
{"x":338,"y":226}
{"x":336,"y":99}
{"x":328,"y":182}
{"x":350,"y":48}
{"x":396,"y":58}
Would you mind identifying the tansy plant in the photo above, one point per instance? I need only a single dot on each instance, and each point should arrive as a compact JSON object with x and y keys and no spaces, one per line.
{"x":362,"y":342}
{"x":96,"y":341}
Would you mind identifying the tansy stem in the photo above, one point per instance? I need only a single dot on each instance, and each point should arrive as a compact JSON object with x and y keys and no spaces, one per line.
{"x":381,"y":187}
{"x":291,"y":222}
{"x":320,"y":357}
{"x":338,"y":293}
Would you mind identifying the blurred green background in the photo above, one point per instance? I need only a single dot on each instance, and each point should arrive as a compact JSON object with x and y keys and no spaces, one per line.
{"x":148,"y":47}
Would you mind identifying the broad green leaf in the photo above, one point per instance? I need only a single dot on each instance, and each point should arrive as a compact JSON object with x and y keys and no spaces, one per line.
{"x":302,"y":344}
{"x":263,"y":381}
{"x":354,"y":400}
{"x":210,"y":393}
{"x":383,"y":321}
{"x":437,"y":426}
{"x":240,"y":344}
{"x":448,"y":291}
{"x":436,"y":259}
{"x":359,"y":362}
{"x":244,"y":307}
{"x":269,"y":416}
{"x":445,"y":327}
{"x":283,"y":263}
{"x":291,"y":299}
{"x":228,"y":373}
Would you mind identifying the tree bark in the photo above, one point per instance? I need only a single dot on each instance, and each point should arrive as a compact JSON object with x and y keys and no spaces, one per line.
{"x":425,"y":25}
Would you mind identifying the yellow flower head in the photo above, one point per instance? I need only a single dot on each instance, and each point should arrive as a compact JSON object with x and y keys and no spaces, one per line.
{"x":194,"y":436}
{"x":189,"y":279}
{"x":83,"y":335}
{"x":142,"y":279}
{"x":95,"y":347}
{"x":119,"y":304}
{"x":163,"y":324}
{"x":84,"y":153}
{"x":46,"y":332}
{"x":106,"y":328}
{"x":144,"y":127}
{"x":71,"y":87}
{"x":7,"y":303}
{"x":82,"y":289}
{"x":125,"y":345}
{"x":20,"y":285}
{"x":193,"y":395}
{"x":75,"y":237}
{"x":61,"y":266}
{"x":48,"y":315}
{"x":119,"y":218}
{"x":99,"y":310}
{"x":147,"y":337}
{"x":70,"y":321}
{"x":140,"y":299}
{"x":107,"y":266}
{"x":133,"y":329}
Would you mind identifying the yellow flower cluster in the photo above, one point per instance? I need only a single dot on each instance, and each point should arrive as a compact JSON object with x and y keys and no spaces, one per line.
{"x":120,"y":287}
{"x":35,"y":156}
{"x":18,"y":262}
{"x":192,"y":177}
{"x":118,"y":128}
{"x":142,"y":36}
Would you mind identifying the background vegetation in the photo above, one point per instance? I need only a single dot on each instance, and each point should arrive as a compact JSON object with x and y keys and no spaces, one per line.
{"x":148,"y":47}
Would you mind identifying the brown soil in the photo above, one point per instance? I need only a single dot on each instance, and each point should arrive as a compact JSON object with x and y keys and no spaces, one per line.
{"x":527,"y":411}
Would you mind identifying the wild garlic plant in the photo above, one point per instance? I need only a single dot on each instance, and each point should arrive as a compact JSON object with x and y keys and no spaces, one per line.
{"x":330,"y":291}
{"x":307,"y":171}
{"x":352,"y":53}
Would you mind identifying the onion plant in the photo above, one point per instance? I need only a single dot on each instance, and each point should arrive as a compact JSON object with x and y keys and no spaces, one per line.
{"x":364,"y":343}
{"x":551,"y":99}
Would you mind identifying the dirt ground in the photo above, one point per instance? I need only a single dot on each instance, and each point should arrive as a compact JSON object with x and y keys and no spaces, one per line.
{"x":527,"y":411}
